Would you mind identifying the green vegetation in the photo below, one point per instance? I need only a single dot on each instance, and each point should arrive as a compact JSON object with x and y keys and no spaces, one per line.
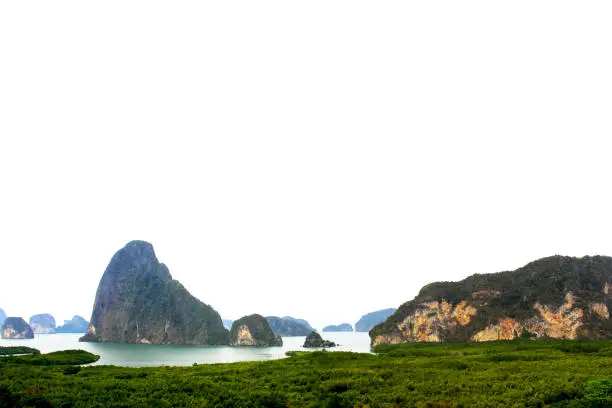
{"x":8,"y":351}
{"x":519,"y":373}
{"x":66,"y":357}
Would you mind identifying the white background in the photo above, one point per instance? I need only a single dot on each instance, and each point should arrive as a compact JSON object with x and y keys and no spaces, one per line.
{"x":321,"y":158}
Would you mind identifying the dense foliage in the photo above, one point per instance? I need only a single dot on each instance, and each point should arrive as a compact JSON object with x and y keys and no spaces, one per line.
{"x":502,"y":374}
{"x":66,"y":357}
{"x":8,"y":351}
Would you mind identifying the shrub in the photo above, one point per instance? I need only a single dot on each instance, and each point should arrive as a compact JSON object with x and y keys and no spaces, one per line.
{"x":71,"y":370}
{"x":7,"y":399}
{"x":598,"y":393}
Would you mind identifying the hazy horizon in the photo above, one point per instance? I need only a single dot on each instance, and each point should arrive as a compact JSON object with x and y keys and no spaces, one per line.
{"x":317,"y":323}
{"x":320,"y":160}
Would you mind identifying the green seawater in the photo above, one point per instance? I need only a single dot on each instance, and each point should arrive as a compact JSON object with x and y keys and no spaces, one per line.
{"x":143,"y":355}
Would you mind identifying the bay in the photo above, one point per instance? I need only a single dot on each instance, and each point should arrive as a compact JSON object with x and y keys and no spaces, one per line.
{"x":143,"y":355}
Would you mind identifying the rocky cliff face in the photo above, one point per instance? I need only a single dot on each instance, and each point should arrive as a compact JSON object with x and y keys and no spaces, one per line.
{"x":254,"y":331}
{"x":42,"y":323}
{"x":288,"y":326}
{"x":556,"y":297}
{"x":368,"y":321}
{"x":344,"y":327}
{"x":138,"y":302}
{"x":75,"y":325}
{"x":16,"y":328}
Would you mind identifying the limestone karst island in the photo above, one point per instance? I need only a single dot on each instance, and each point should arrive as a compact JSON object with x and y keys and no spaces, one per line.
{"x":552,"y":298}
{"x":138,"y":302}
{"x":537,"y":336}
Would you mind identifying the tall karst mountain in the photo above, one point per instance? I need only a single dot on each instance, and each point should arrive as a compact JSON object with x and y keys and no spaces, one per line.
{"x":138,"y":302}
{"x":557,"y":297}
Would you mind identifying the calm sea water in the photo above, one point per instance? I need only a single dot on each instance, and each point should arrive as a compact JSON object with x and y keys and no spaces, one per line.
{"x":139,"y":355}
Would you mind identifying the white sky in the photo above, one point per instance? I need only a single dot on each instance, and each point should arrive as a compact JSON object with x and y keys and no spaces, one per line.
{"x":320,"y":159}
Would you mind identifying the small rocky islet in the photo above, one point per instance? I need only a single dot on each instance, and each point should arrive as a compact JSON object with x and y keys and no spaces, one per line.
{"x":43,"y":323}
{"x":314,"y":340}
{"x":253,"y":331}
{"x":16,"y":328}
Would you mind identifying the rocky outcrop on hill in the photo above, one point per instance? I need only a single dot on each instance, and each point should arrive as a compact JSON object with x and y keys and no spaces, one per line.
{"x":557,"y":297}
{"x":368,"y":321}
{"x":2,"y":317}
{"x":314,"y":340}
{"x":254,"y":331}
{"x":42,"y":323}
{"x":344,"y":327}
{"x":16,"y":328}
{"x":75,"y":325}
{"x":288,"y":326}
{"x":138,"y":302}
